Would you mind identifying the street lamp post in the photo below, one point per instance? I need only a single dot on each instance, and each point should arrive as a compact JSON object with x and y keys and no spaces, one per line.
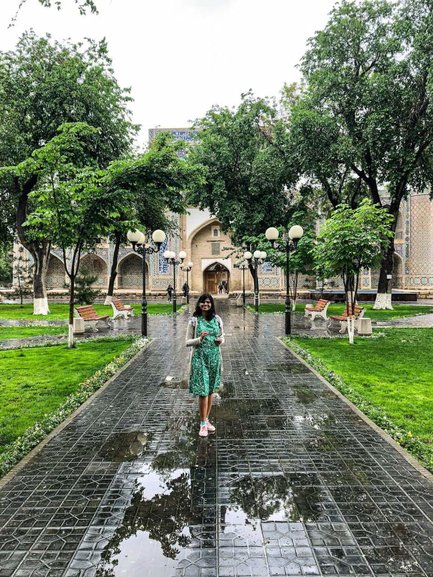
{"x":187,"y":268}
{"x":288,"y":244}
{"x":170,"y":257}
{"x":255,"y":260}
{"x":243,"y":266}
{"x":139,"y":245}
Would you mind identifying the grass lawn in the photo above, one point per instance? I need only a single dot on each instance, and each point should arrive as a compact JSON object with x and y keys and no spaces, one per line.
{"x":24,"y":332}
{"x":400,"y":310}
{"x":35,"y":381}
{"x":394,"y":372}
{"x":59,"y":311}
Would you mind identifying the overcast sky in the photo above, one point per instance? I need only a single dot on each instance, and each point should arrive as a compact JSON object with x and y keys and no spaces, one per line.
{"x":182,"y":56}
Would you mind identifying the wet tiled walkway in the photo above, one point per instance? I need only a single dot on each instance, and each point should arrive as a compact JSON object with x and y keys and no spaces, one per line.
{"x":292,"y":483}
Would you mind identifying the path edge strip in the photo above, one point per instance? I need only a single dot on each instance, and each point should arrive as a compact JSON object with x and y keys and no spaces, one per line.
{"x":36,"y":450}
{"x":383,"y":434}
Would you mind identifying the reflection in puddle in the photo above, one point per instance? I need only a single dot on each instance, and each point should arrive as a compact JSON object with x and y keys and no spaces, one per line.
{"x":289,"y":367}
{"x":155,"y":528}
{"x":174,"y":383}
{"x":125,"y":446}
{"x":233,"y":409}
{"x":169,"y":508}
{"x":304,"y":394}
{"x":326,"y":441}
{"x":315,"y":421}
{"x":273,"y":498}
{"x":226,"y":390}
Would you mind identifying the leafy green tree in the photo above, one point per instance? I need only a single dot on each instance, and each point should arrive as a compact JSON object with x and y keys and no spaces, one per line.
{"x":83,"y":5}
{"x":365,"y":122}
{"x":44,"y":84}
{"x":155,"y":183}
{"x":302,"y":259}
{"x":245,"y":171}
{"x":5,"y":264}
{"x":349,"y":241}
{"x":70,"y":208}
{"x":84,"y":293}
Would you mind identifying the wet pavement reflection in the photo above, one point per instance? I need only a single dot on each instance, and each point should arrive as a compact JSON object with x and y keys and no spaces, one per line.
{"x":292,"y":482}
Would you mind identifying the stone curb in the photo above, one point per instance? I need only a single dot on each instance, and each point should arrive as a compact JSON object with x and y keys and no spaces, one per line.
{"x":385,"y":436}
{"x":25,"y":460}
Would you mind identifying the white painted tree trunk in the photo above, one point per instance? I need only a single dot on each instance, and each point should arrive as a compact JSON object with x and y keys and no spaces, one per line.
{"x":351,"y":329}
{"x":40,"y":306}
{"x":70,"y":336}
{"x":383,"y":302}
{"x":108,"y":300}
{"x":293,"y":305}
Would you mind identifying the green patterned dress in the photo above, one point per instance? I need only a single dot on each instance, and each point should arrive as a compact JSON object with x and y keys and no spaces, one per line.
{"x":205,"y":374}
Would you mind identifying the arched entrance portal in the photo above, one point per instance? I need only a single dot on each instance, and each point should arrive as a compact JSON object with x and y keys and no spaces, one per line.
{"x":213,"y":276}
{"x":131,"y":272}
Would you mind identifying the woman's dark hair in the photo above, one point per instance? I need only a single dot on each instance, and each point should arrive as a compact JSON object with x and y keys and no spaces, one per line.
{"x":201,"y":299}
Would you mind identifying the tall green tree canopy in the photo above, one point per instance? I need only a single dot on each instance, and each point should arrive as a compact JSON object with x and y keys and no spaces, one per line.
{"x":83,"y":6}
{"x":151,"y":185}
{"x":44,"y":84}
{"x":365,"y":122}
{"x":245,"y":172}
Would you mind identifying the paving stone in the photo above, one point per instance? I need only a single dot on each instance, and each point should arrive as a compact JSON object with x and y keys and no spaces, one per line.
{"x":292,"y":483}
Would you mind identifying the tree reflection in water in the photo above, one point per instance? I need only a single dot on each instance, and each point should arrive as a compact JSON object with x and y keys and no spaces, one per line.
{"x":164,"y":517}
{"x":166,"y":502}
{"x":277,"y":497}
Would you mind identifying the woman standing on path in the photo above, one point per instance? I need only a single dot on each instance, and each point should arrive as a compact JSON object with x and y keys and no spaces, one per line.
{"x":205,"y":334}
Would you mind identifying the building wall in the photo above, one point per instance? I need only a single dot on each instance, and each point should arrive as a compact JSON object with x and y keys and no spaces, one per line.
{"x":419,"y":243}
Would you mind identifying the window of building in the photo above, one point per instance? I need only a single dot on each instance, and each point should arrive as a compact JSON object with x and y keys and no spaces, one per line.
{"x":215,"y":231}
{"x":215,"y":248}
{"x":266,"y":267}
{"x":162,"y":262}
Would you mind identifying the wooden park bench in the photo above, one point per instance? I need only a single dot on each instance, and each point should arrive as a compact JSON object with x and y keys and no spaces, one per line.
{"x":358,"y":313}
{"x":317,"y":310}
{"x":90,"y":316}
{"x":121,"y":310}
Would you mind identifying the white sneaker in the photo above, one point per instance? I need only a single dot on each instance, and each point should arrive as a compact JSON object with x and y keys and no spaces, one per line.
{"x":210,"y":427}
{"x":203,"y":431}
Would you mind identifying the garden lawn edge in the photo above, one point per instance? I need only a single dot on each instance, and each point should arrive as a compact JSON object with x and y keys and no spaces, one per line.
{"x":298,"y":352}
{"x":12,"y":467}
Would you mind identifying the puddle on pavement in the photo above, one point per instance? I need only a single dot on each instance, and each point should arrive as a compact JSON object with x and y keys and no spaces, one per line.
{"x":326,"y":441}
{"x":125,"y":446}
{"x":226,"y":390}
{"x":172,"y":382}
{"x":293,"y":368}
{"x":236,"y":409}
{"x":155,"y":529}
{"x":317,"y":421}
{"x":304,"y":394}
{"x":166,"y":512}
{"x":273,"y":498}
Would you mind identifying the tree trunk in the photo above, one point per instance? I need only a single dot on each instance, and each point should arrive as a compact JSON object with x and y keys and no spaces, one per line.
{"x":71,"y":312}
{"x":39,"y":251}
{"x":40,"y":256}
{"x":384,"y":289}
{"x":349,"y":287}
{"x":113,"y":271}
